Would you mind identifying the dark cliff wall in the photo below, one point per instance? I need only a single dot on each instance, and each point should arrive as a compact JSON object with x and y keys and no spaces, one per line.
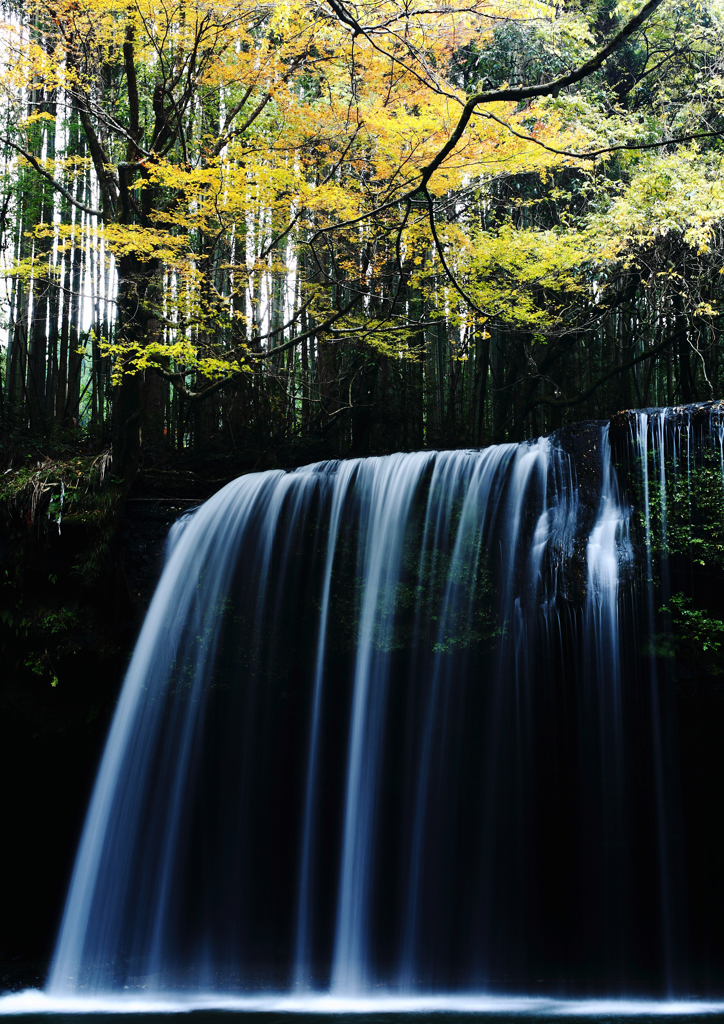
{"x":71,"y":603}
{"x":72,"y":600}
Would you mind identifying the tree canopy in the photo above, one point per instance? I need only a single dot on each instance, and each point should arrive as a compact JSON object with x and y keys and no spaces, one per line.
{"x":394,"y":222}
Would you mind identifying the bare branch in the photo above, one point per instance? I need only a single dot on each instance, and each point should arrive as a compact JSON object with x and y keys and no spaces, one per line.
{"x":591,"y":154}
{"x":586,"y":69}
{"x":49,"y":177}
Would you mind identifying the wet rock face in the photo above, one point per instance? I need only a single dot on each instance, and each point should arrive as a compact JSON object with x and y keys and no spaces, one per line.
{"x":701,"y":418}
{"x":583,"y":443}
{"x":143,"y":529}
{"x":680,"y":442}
{"x":698,"y":423}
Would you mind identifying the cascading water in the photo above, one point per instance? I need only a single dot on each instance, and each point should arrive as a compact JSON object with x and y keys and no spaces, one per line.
{"x":386,"y":726}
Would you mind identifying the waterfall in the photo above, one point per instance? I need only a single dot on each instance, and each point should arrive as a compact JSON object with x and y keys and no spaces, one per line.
{"x":387,"y":727}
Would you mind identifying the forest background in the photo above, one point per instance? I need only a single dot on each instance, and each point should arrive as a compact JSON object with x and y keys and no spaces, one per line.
{"x":387,"y":224}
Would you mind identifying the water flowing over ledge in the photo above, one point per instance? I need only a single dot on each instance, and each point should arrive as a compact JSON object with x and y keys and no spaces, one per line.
{"x":399,"y":724}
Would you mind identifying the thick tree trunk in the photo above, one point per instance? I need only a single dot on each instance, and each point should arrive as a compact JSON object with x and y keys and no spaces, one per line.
{"x":134,"y":320}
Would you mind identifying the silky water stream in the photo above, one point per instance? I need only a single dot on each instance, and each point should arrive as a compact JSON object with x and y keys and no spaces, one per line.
{"x":395,"y":737}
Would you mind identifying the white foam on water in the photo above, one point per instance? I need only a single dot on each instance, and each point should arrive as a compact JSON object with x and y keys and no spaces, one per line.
{"x":33,"y":1001}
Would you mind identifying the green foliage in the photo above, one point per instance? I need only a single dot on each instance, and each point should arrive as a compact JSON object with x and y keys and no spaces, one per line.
{"x":58,"y":517}
{"x":45,"y":635}
{"x":695,"y":635}
{"x":693,"y":504}
{"x":74,"y":487}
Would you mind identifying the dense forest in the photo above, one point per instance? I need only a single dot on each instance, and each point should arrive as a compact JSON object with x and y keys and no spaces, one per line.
{"x":388,"y":225}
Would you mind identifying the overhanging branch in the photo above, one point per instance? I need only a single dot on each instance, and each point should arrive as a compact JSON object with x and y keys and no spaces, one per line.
{"x":586,"y":69}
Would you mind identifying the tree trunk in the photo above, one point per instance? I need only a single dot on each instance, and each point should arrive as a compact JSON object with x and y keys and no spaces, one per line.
{"x":134,"y":277}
